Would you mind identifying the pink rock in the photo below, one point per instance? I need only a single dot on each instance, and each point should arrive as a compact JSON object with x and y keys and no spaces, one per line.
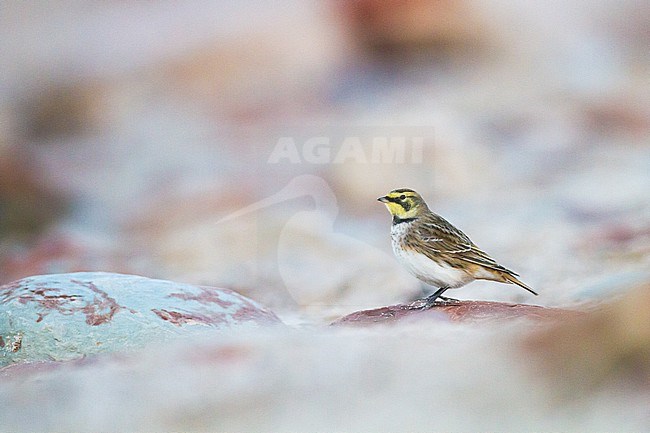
{"x":456,"y":312}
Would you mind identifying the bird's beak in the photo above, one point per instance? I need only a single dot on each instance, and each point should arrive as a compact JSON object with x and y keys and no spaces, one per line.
{"x":383,"y":199}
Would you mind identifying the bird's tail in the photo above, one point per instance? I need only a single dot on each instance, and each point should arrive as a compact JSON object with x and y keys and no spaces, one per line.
{"x":513,"y":280}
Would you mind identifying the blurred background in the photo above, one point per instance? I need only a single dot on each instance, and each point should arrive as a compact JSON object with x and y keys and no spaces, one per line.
{"x":128,"y":131}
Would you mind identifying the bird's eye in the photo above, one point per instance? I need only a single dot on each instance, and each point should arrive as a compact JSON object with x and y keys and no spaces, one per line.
{"x":402,"y":197}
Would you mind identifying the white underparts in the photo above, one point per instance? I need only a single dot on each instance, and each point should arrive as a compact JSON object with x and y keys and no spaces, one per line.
{"x":427,"y":270}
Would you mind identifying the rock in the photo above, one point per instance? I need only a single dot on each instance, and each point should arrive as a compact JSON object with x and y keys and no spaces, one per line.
{"x":68,"y":316}
{"x":63,"y":252}
{"x":27,"y":369}
{"x":27,"y":206}
{"x":60,"y":111}
{"x":456,"y":312}
{"x":432,"y":26}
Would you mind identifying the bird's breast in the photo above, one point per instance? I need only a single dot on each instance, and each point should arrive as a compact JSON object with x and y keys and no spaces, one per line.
{"x":434,"y":272}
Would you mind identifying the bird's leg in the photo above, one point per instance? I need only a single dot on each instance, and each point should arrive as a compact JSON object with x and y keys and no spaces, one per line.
{"x":429,"y":301}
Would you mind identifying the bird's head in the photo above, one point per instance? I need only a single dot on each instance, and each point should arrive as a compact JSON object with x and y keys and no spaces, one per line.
{"x":404,"y":203}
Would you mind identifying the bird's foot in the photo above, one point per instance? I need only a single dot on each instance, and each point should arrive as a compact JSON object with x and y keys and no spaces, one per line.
{"x":426,"y":303}
{"x":443,"y":300}
{"x":433,"y":300}
{"x":418,"y":304}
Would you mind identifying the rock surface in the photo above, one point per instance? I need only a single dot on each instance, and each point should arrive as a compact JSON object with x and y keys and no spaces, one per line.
{"x":67,"y":316}
{"x":455,"y":312}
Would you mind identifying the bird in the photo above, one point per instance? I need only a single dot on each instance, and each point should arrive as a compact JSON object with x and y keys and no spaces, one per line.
{"x":435,"y":251}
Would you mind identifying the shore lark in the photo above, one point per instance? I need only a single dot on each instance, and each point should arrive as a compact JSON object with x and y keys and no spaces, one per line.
{"x":435,"y":251}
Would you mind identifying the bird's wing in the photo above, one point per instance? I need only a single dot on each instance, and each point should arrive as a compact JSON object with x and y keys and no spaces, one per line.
{"x":441,"y":238}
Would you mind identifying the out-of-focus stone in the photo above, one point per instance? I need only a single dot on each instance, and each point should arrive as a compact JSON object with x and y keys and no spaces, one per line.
{"x":621,"y":115}
{"x":389,"y":27}
{"x":607,"y":345}
{"x":242,"y":74}
{"x":27,"y":369}
{"x":620,"y":241}
{"x":60,"y":253}
{"x":27,"y":205}
{"x":461,"y":311}
{"x":67,"y":316}
{"x":63,"y":110}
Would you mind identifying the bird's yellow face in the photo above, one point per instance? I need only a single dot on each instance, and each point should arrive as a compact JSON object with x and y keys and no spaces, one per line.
{"x":403,"y":203}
